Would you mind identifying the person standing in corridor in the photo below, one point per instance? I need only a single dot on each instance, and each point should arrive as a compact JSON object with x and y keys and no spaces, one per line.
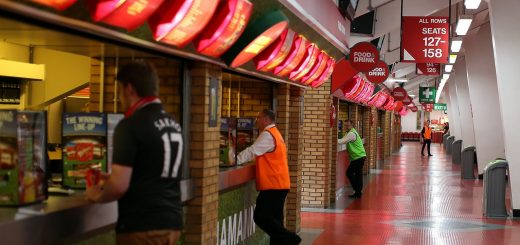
{"x":357,"y":155}
{"x":426,"y":134}
{"x":272,"y":179}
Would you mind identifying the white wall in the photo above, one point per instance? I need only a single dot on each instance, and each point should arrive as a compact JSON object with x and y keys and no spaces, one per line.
{"x":453,"y":110}
{"x":409,"y":122}
{"x":483,"y":90}
{"x":466,"y":116}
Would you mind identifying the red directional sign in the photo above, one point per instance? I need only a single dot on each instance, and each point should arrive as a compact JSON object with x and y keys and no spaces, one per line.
{"x":379,"y":74}
{"x":425,"y":39}
{"x":364,"y":56}
{"x":399,"y":94}
{"x":427,"y":107}
{"x":428,"y":69}
{"x":407,"y":100}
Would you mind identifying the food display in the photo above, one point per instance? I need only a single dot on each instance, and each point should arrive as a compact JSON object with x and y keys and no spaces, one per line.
{"x":22,"y":157}
{"x":236,"y":133}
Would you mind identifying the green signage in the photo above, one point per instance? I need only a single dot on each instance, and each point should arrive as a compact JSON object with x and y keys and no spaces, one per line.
{"x":440,"y":107}
{"x":427,"y":95}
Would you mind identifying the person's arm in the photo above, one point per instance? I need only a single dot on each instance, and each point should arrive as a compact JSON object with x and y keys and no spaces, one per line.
{"x":347,"y":138}
{"x":422,"y":132}
{"x":113,"y":187}
{"x":264,"y":143}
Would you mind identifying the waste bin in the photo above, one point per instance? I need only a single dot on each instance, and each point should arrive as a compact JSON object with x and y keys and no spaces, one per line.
{"x":495,"y":189}
{"x":445,"y":140}
{"x":456,"y":151}
{"x":449,"y":144}
{"x":468,"y":160}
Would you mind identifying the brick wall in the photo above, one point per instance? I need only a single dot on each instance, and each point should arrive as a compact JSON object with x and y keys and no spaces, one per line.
{"x":334,"y":150}
{"x":373,"y":138}
{"x":387,"y":132}
{"x":317,"y":148}
{"x":204,"y":159}
{"x":245,"y":97}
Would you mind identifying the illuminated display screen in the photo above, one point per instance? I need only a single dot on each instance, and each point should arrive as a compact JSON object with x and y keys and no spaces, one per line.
{"x":307,"y":63}
{"x":319,"y":67}
{"x":225,"y":28}
{"x":127,"y":14}
{"x":57,"y":4}
{"x":294,"y":58}
{"x":178,"y":22}
{"x":276,"y":53}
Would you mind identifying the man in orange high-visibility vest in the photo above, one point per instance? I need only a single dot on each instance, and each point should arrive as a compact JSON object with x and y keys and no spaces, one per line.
{"x":426,"y":134}
{"x":272,"y":179}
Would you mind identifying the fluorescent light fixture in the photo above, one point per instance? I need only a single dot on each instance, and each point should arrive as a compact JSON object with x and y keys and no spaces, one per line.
{"x":471,"y":4}
{"x":445,"y":76}
{"x":456,"y":44}
{"x":453,"y":58}
{"x":402,"y":80}
{"x":411,"y":95}
{"x":448,"y":68}
{"x":463,"y":24}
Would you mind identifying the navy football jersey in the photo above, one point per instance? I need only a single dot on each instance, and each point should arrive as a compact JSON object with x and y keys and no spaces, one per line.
{"x":150,"y":141}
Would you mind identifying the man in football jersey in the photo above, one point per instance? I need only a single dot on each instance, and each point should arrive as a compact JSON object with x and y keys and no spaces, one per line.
{"x":145,"y":177}
{"x":272,"y":179}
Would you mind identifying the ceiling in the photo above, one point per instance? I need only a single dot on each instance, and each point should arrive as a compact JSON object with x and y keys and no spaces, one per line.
{"x":387,"y":25}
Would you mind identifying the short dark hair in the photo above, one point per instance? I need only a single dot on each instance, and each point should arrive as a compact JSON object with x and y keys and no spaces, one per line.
{"x":270,"y":114}
{"x":142,"y":76}
{"x":349,"y":121}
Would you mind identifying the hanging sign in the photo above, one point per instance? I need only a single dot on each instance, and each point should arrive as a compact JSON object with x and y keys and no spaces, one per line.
{"x":364,"y":56}
{"x":407,"y":100}
{"x":259,"y":34}
{"x":427,"y":94}
{"x":305,"y":66}
{"x":272,"y":56}
{"x":342,"y":74}
{"x":414,"y":109}
{"x":428,"y":69}
{"x":127,"y":14}
{"x":427,"y":107}
{"x":294,"y":58}
{"x":379,"y":74}
{"x":225,"y":28}
{"x":440,"y":107}
{"x":178,"y":22}
{"x":399,"y":94}
{"x":319,"y":67}
{"x":325,"y":75}
{"x":56,"y":4}
{"x":425,"y":39}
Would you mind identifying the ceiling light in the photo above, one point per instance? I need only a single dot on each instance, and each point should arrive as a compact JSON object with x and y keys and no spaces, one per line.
{"x":411,"y":95}
{"x":402,"y":80}
{"x":463,"y":24}
{"x":453,"y":58}
{"x":471,"y":4}
{"x":448,"y":68}
{"x":456,"y":44}
{"x":446,"y":76}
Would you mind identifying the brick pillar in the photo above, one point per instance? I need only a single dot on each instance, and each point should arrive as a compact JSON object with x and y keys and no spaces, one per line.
{"x":387,"y":132}
{"x":367,"y":136}
{"x":317,"y":148}
{"x":202,"y":211}
{"x":373,"y":138}
{"x":334,"y":152}
{"x":295,"y":143}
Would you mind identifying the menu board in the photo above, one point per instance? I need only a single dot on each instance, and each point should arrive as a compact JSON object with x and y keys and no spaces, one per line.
{"x":238,"y":133}
{"x":84,"y":139}
{"x":22,"y":157}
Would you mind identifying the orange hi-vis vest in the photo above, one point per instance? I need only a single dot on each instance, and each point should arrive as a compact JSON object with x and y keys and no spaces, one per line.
{"x":428,"y":133}
{"x":272,"y":168}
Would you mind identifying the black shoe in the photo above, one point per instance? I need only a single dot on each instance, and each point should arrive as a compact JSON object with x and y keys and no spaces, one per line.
{"x":430,"y":155}
{"x":355,"y":195}
{"x":296,"y":240}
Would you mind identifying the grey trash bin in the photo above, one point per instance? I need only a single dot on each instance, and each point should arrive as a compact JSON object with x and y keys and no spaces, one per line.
{"x":495,"y":189}
{"x":445,"y":140}
{"x":468,"y":160}
{"x":449,"y":144}
{"x":456,"y":151}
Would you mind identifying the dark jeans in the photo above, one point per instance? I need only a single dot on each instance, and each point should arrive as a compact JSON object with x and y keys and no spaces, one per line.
{"x":426,"y":142}
{"x":268,"y":216}
{"x":355,"y":174}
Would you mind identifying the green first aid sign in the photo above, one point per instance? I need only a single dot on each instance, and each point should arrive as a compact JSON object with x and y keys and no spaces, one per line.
{"x":427,"y":95}
{"x":440,"y":107}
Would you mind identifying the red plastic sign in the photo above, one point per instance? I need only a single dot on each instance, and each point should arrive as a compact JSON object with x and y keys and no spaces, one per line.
{"x":178,"y":22}
{"x":428,"y":69}
{"x":319,"y":67}
{"x":414,"y":109}
{"x":305,"y":66}
{"x":342,"y":74}
{"x":364,"y":56}
{"x":399,"y":94}
{"x":425,"y":39}
{"x":225,"y":28}
{"x":272,"y":56}
{"x":56,"y":4}
{"x":407,"y":100}
{"x":379,"y":74}
{"x":294,"y":58}
{"x":427,"y":107}
{"x":127,"y":14}
{"x":331,"y":64}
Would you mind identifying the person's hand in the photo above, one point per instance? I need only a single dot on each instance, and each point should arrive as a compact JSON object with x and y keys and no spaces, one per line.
{"x":93,"y":192}
{"x":231,"y":155}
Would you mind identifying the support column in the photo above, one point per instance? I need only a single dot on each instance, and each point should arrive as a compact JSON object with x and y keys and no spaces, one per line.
{"x":453,"y":111}
{"x":504,"y":18}
{"x":483,"y":92}
{"x":202,"y":211}
{"x":465,"y":111}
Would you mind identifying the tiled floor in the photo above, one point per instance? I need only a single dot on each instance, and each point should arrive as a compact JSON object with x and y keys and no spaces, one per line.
{"x":413,"y":200}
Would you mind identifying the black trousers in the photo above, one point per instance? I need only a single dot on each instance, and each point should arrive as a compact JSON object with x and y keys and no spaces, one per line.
{"x":426,"y":142}
{"x":355,"y":174}
{"x":268,"y":216}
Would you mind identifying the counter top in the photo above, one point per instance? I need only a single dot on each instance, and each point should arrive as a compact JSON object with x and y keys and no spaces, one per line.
{"x":230,"y":177}
{"x":62,"y":217}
